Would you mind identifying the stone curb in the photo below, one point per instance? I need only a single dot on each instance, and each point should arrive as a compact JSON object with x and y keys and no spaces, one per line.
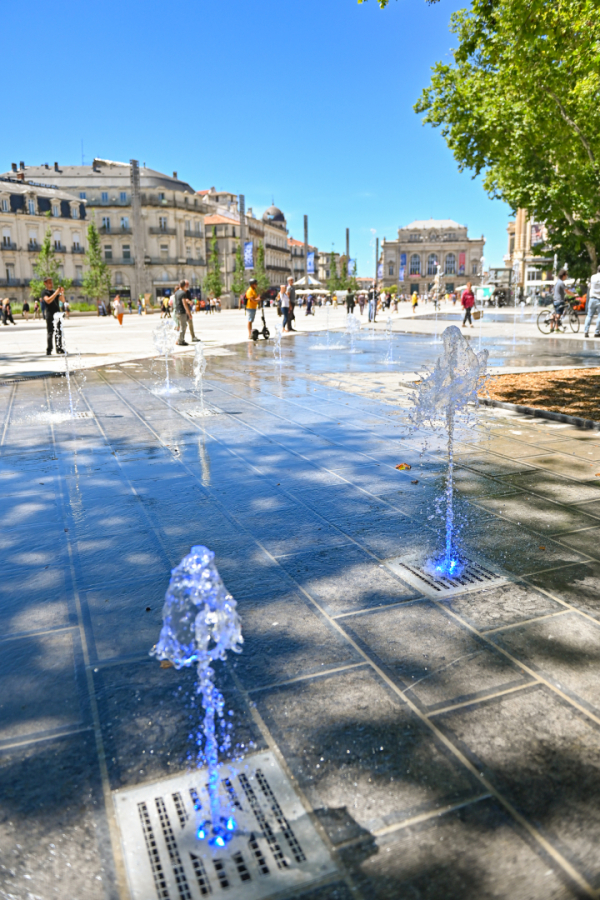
{"x":543,"y":414}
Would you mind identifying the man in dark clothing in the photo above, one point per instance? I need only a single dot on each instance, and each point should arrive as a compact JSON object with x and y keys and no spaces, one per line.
{"x":50,"y":299}
{"x":189,"y":308}
{"x":292,"y":295}
{"x":559,"y":300}
{"x":350,"y":303}
{"x":180,"y":313}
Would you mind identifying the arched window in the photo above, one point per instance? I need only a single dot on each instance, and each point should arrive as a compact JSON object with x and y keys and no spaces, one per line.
{"x":450,"y":264}
{"x":432,"y":262}
{"x":415,"y":264}
{"x":391,"y":270}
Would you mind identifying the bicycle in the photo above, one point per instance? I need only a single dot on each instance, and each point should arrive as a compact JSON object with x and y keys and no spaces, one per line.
{"x":546,"y":320}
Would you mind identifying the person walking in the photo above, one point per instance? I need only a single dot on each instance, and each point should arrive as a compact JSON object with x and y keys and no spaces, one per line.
{"x":180,"y":314}
{"x":7,"y":315}
{"x":189,"y":308}
{"x":139,"y":306}
{"x":467,"y":301}
{"x":350,"y":303}
{"x":26,"y":310}
{"x":130,"y":305}
{"x":291,"y":292}
{"x":252,"y":299}
{"x":372,"y":303}
{"x":414,"y":301}
{"x":50,"y":298}
{"x":37,"y":312}
{"x":119,"y":308}
{"x":593,"y":304}
{"x":559,"y":300}
{"x":284,"y":303}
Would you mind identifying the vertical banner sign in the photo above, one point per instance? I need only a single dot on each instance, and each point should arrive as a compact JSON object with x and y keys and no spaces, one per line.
{"x":401,"y":272}
{"x":380,"y":270}
{"x":350,"y":266}
{"x":310,"y":263}
{"x":403,"y":260}
{"x":248,"y":255}
{"x":462,"y":261}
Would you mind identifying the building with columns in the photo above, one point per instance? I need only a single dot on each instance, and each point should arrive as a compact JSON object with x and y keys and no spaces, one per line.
{"x":411,"y":261}
{"x":530,"y":274}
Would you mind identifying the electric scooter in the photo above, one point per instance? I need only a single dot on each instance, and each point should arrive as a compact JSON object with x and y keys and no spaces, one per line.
{"x":264,"y":330}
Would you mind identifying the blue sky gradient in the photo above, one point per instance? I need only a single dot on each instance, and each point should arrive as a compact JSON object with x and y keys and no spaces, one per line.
{"x":307,"y":102}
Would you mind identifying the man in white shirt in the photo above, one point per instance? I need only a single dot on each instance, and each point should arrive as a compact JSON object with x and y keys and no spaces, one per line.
{"x":593,"y":304}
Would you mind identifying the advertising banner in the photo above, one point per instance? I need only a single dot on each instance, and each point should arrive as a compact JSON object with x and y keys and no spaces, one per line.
{"x":350,"y":266}
{"x":401,"y":272}
{"x":310,"y":263}
{"x":248,"y":255}
{"x":462,"y":262}
{"x":380,"y":270}
{"x":403,"y":259}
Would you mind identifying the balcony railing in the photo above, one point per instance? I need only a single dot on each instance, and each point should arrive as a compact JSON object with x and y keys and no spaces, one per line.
{"x":163,"y":260}
{"x":120,"y":229}
{"x":190,"y":261}
{"x":33,"y":247}
{"x":12,"y":282}
{"x":60,"y":248}
{"x":120,"y":261}
{"x":193,"y":234}
{"x":77,"y":248}
{"x":154,"y":230}
{"x":9,"y":245}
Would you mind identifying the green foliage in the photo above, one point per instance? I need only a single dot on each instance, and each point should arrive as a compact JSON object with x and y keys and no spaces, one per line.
{"x":213,"y":285}
{"x":47,"y":266}
{"x":353,"y":284}
{"x":259,"y":270}
{"x":343,"y":278}
{"x":333,"y":282}
{"x":519,"y":105}
{"x":239,"y":275}
{"x":96,"y":280}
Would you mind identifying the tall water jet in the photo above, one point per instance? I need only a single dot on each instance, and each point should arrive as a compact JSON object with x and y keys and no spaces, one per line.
{"x":165,"y":338}
{"x":277,"y":345}
{"x":352,"y":329}
{"x":199,"y":370}
{"x":200,"y":624}
{"x":389,"y":357}
{"x":438,"y":398}
{"x":60,"y":327}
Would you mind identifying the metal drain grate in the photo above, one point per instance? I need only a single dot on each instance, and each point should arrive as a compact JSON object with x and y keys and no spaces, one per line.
{"x":201,"y":413}
{"x":474,"y":577}
{"x":275,"y":849}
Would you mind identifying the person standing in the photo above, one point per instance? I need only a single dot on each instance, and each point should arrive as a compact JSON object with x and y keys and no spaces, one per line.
{"x":415,"y":302}
{"x":119,"y":308}
{"x":130,"y":305}
{"x":180,"y":314}
{"x":37,"y":312}
{"x":592,"y":306}
{"x":467,"y":301}
{"x":291,"y":292}
{"x":189,"y":308}
{"x":139,"y":306}
{"x":26,"y":310}
{"x":50,"y":298}
{"x":284,"y":302}
{"x":559,"y":300}
{"x":251,"y":305}
{"x":350,"y":303}
{"x":372,"y":303}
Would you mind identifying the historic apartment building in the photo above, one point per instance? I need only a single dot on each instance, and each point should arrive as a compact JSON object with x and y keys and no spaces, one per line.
{"x":27,"y":211}
{"x":412,"y":261}
{"x":524,"y":233}
{"x":151,"y":224}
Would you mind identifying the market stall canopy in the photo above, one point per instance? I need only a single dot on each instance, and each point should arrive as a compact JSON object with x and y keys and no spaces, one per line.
{"x":314,"y":291}
{"x":312,"y":282}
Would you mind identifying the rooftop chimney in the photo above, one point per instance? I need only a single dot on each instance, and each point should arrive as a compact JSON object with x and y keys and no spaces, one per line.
{"x":174,"y":174}
{"x":14,"y":167}
{"x":21,"y":165}
{"x":46,"y":165}
{"x":21,"y":176}
{"x":56,"y":167}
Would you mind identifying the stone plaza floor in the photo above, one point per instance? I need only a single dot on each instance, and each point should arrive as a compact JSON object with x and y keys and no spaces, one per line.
{"x":440,"y":747}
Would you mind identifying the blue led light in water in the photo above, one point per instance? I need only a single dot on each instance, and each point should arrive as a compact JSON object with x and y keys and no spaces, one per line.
{"x":231,"y":824}
{"x":219,"y":842}
{"x":201,"y":834}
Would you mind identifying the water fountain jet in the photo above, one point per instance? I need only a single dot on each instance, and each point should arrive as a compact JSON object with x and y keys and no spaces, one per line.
{"x":165,"y":338}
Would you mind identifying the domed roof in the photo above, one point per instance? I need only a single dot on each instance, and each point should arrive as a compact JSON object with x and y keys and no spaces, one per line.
{"x":273,"y":214}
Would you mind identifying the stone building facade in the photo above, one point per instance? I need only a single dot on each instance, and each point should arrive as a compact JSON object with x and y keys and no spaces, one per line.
{"x":151,"y":224}
{"x":529,"y":274}
{"x":27,"y":211}
{"x":411,"y":261}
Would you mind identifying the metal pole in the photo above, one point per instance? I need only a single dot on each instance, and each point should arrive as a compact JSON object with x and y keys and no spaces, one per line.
{"x":138,"y":237}
{"x":347,"y":249}
{"x":376,"y":257}
{"x":306,"y":249}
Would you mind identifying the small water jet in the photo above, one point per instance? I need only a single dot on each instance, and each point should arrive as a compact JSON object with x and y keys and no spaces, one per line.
{"x":437,"y":400}
{"x":352,"y":329}
{"x":277,"y":345}
{"x":389,"y":357}
{"x":200,"y":624}
{"x":165,"y":338}
{"x":327,"y":345}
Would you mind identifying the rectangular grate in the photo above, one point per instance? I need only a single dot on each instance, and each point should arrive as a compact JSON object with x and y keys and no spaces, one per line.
{"x":275,"y":848}
{"x":201,"y":413}
{"x":474,"y":576}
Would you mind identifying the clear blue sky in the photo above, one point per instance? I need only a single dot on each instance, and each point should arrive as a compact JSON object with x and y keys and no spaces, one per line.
{"x":308,"y":102}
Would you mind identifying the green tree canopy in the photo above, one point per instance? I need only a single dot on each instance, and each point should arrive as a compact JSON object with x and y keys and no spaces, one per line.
{"x":260,"y":274}
{"x":333,"y":282}
{"x":519,"y":105}
{"x":239,"y":275}
{"x":213,"y":284}
{"x":47,"y":266}
{"x":353,"y":284}
{"x":96,"y":280}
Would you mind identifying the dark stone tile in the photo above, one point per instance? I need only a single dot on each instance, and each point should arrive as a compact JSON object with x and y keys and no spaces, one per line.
{"x":555,"y":487}
{"x":542,"y":755}
{"x":38,"y":686}
{"x":490,"y":464}
{"x":121,"y":624}
{"x":107,"y":557}
{"x":351,"y":743}
{"x":49,"y":822}
{"x":474,"y":853}
{"x":345,"y":579}
{"x":587,"y":541}
{"x":518,"y":551}
{"x":577,"y":584}
{"x":540,"y":515}
{"x":503,"y":605}
{"x":429,"y":653}
{"x":34,"y":601}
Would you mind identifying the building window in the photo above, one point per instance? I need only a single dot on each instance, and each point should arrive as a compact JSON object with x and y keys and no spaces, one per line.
{"x":475,"y":268}
{"x":162,"y":223}
{"x":82,"y":195}
{"x":6,"y":241}
{"x":4,"y":205}
{"x":118,"y":278}
{"x":188,"y":252}
{"x":534,"y":274}
{"x":74,"y":212}
{"x":76,"y":244}
{"x":450,"y":287}
{"x":124,"y":223}
{"x":78,"y":273}
{"x":161,"y":197}
{"x":450,"y":264}
{"x":415,"y":237}
{"x":57,"y":240}
{"x":31,"y":206}
{"x":123,"y":197}
{"x":33,"y":238}
{"x":104,"y":196}
{"x":432,"y":262}
{"x":108,"y":251}
{"x":414,"y":288}
{"x":415,"y":264}
{"x":391,"y":270}
{"x":511,"y":249}
{"x":10,"y":273}
{"x":106,"y":223}
{"x":198,"y":227}
{"x":164,"y":249}
{"x":55,"y":210}
{"x":126,"y":251}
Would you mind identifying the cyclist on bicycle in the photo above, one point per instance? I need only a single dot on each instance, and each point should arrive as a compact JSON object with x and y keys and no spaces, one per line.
{"x":559,"y":299}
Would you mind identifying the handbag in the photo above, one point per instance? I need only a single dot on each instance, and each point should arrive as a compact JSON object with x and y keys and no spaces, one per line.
{"x":478,"y":314}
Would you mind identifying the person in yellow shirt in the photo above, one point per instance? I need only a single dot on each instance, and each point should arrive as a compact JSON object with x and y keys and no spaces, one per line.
{"x":252,"y":301}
